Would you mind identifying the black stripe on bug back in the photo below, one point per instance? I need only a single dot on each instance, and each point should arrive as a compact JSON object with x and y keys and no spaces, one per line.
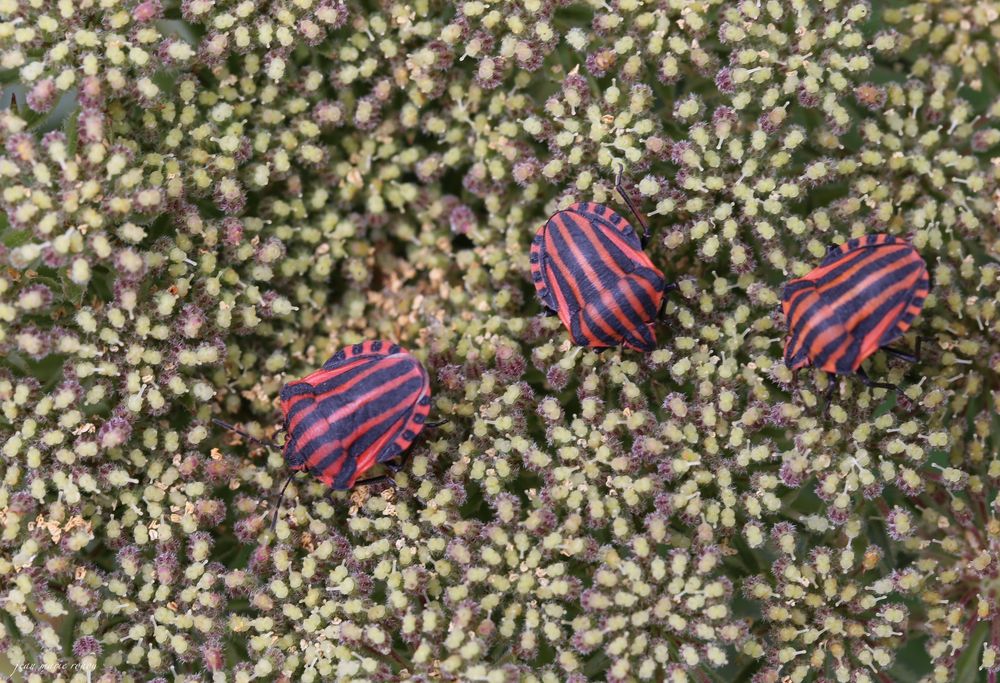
{"x":382,"y":408}
{"x":351,"y":371}
{"x":366,"y":438}
{"x":604,"y":216}
{"x":575,"y":284}
{"x":328,"y":397}
{"x":818,"y":310}
{"x":590,"y":236}
{"x":869,"y":323}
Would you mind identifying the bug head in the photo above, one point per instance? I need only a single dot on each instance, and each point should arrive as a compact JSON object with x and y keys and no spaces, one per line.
{"x":294,"y":458}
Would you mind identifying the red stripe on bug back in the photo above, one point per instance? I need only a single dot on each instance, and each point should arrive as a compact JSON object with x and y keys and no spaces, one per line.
{"x":867,"y":291}
{"x":857,"y":290}
{"x":592,"y":332}
{"x":623,"y":294}
{"x":858,"y":263}
{"x":413,"y":427}
{"x":594,"y":266}
{"x":873,"y":341}
{"x":391,"y":434}
{"x":786,"y":304}
{"x":879,"y":283}
{"x":319,"y":429}
{"x":588,"y":267}
{"x":622,"y":236}
{"x":561,"y":285}
{"x":870,"y":342}
{"x":859,"y":243}
{"x":796,"y":338}
{"x":367,"y":458}
{"x":612,"y":219}
{"x":340,"y":388}
{"x":887,"y":329}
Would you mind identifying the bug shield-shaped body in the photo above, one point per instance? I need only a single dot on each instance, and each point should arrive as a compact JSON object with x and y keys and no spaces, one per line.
{"x":863,"y":296}
{"x":588,"y":266}
{"x":365,"y":406}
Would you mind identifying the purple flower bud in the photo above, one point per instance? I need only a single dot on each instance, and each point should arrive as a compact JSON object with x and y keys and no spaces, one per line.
{"x":232,"y":231}
{"x":21,"y":147}
{"x":210,"y":512}
{"x":229,"y":195}
{"x":870,"y":96}
{"x":87,"y":646}
{"x":510,"y":364}
{"x":213,"y":655}
{"x":23,"y":503}
{"x":147,"y":11}
{"x":462,"y":220}
{"x":260,"y":561}
{"x":114,"y":433}
{"x":579,"y":84}
{"x":807,"y":99}
{"x":837,"y":516}
{"x":600,"y":62}
{"x":90,"y":93}
{"x":367,"y":113}
{"x":90,"y":126}
{"x":42,"y":95}
{"x":333,"y":13}
{"x":557,"y":378}
{"x":982,"y":140}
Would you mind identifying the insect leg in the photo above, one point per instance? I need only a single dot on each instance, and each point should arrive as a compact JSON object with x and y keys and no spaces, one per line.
{"x":663,"y":302}
{"x":863,"y":376}
{"x":831,"y":380}
{"x":233,"y":428}
{"x":277,"y":504}
{"x":621,"y":190}
{"x":376,"y":480}
{"x":437,"y":423}
{"x":906,"y":355}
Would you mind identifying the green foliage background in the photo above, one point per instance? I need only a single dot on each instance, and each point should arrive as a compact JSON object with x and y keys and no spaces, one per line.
{"x":205,"y":200}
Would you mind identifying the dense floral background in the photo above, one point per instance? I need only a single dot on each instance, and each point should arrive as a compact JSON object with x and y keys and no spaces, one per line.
{"x":204,"y":199}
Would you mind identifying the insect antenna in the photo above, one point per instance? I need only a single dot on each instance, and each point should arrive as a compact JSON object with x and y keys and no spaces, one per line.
{"x":271,"y":444}
{"x":631,"y":206}
{"x":869,"y":382}
{"x":281,"y":496}
{"x":233,"y":428}
{"x":437,"y":423}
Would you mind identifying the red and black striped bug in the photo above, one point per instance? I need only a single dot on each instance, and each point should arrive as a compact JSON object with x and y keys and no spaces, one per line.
{"x":589,"y":268}
{"x":863,"y":296}
{"x":364,"y":407}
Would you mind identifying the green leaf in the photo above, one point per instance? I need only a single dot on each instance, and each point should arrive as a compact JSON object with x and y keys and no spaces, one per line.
{"x":912,"y":661}
{"x":967,"y":670}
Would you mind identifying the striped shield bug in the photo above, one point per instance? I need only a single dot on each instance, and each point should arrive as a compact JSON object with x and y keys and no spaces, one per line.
{"x":863,"y":296}
{"x":363,"y":408}
{"x":589,"y":268}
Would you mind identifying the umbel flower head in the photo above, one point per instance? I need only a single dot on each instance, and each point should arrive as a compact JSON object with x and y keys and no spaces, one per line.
{"x":203,"y":200}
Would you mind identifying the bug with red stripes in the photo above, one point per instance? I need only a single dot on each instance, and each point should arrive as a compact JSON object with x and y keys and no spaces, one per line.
{"x":862,"y":297}
{"x":364,"y":407}
{"x":589,"y":267}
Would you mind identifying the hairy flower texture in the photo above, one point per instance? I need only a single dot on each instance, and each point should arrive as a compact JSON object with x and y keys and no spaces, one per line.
{"x":829,"y":611}
{"x":956,"y":544}
{"x":961,"y":35}
{"x":117,"y":48}
{"x":204,"y":199}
